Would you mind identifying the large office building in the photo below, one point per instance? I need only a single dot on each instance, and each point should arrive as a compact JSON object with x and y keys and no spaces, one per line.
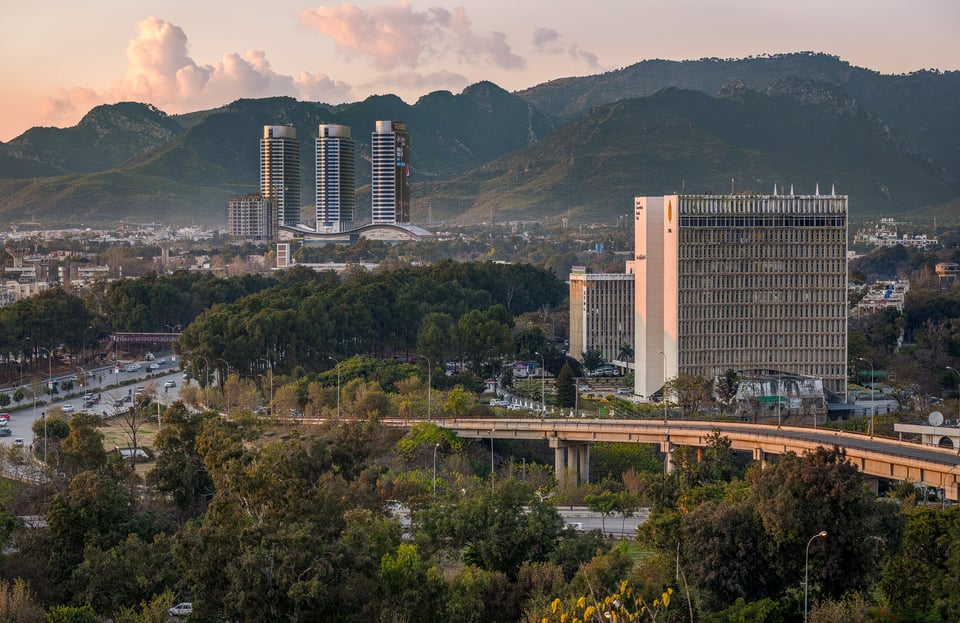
{"x":251,"y":217}
{"x":601,"y":314}
{"x":280,"y":171}
{"x":750,"y":283}
{"x":390,"y":181}
{"x":336,"y":178}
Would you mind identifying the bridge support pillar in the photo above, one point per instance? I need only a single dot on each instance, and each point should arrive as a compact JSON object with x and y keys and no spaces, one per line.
{"x":571,"y":461}
{"x":760,"y":456}
{"x":667,"y":448}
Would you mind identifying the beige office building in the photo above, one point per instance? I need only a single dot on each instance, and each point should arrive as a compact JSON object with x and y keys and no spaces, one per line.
{"x":752,"y":283}
{"x":601,"y":313}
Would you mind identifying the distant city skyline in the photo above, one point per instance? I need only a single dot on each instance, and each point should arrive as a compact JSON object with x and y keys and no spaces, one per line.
{"x":185,"y":56}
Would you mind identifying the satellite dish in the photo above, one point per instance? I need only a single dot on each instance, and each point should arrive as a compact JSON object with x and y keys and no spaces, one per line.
{"x":935,"y":419}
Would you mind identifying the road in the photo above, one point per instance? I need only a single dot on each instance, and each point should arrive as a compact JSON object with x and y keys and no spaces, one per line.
{"x":111,"y":388}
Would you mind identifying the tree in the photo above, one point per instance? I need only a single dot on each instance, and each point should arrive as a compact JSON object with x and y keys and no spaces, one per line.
{"x":604,"y":503}
{"x":592,"y":359}
{"x":566,"y":387}
{"x":180,"y":470}
{"x":458,"y":402}
{"x":690,"y":390}
{"x":82,"y":449}
{"x":17,"y":604}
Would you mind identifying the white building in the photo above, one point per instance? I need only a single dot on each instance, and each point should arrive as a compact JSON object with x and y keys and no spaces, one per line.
{"x":390,"y":180}
{"x":336,"y":178}
{"x":280,"y":171}
{"x":750,"y":283}
{"x":601,"y":313}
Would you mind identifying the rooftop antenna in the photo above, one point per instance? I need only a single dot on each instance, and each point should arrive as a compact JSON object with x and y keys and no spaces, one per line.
{"x":817,"y":191}
{"x":731,"y":185}
{"x":774,"y":189}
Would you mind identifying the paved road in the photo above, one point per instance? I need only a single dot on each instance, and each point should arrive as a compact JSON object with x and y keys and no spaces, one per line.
{"x":113,"y":388}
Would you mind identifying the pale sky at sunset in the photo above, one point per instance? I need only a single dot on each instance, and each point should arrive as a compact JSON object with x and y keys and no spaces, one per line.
{"x":61,"y":57}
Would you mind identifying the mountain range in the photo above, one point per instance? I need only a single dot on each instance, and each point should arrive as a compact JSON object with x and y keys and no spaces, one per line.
{"x":578,"y":147}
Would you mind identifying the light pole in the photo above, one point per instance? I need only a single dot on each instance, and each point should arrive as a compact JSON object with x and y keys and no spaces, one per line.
{"x":338,"y":383}
{"x":958,"y":407}
{"x":492,"y":430}
{"x":872,"y":379}
{"x":664,"y":390}
{"x":429,"y":385}
{"x":435,"y":447}
{"x":806,"y":570}
{"x":543,"y":393}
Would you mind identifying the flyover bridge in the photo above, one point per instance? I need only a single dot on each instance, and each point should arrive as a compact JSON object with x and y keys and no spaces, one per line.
{"x":571,"y":439}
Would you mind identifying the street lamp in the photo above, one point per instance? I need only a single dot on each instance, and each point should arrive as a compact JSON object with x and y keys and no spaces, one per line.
{"x":338,"y":383}
{"x":872,"y":380}
{"x":435,"y":447}
{"x":806,"y":570}
{"x":664,"y":390}
{"x":543,"y":394}
{"x":492,"y":430}
{"x":958,"y":407}
{"x":429,"y":379}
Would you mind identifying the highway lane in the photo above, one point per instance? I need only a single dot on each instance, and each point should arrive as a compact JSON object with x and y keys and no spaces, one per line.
{"x":112,"y":388}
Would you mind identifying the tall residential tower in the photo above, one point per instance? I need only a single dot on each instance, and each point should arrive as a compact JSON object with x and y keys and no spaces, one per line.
{"x":390,"y":181}
{"x":336,"y":178}
{"x":280,"y":171}
{"x":750,"y":283}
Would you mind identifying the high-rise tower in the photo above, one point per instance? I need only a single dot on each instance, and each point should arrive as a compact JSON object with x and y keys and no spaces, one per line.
{"x":280,"y":171}
{"x":336,"y":178}
{"x":390,"y":182}
{"x":749,"y":283}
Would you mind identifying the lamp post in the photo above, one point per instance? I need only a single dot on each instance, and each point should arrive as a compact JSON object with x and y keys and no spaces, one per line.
{"x":492,"y":430}
{"x":955,"y":371}
{"x":429,"y":386}
{"x":806,"y":570}
{"x":872,"y":379}
{"x":338,"y":383}
{"x":543,"y":393}
{"x":435,"y":447}
{"x":664,"y":390}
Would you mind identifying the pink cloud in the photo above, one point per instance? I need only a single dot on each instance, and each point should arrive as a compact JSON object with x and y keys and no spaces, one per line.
{"x":549,"y":41}
{"x":161,"y":72}
{"x":394,"y":35}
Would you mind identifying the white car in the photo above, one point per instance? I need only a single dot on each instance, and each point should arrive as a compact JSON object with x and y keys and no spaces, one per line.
{"x":170,"y":383}
{"x":68,"y":408}
{"x":181,"y":609}
{"x":153,"y":366}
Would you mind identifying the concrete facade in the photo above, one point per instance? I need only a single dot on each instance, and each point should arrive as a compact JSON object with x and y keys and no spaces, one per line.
{"x":751,"y":283}
{"x":601,"y":313}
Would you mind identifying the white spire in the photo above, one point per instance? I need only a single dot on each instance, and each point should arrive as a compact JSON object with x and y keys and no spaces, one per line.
{"x":833,"y":190}
{"x":774,"y":189}
{"x":817,"y":191}
{"x":791,"y":190}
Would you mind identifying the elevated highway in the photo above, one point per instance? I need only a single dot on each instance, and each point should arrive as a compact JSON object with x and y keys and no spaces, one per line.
{"x":571,"y":439}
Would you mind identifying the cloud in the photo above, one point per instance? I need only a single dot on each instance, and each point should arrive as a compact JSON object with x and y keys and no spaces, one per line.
{"x":161,"y":72}
{"x":410,"y":85}
{"x":394,"y":35}
{"x":549,"y":41}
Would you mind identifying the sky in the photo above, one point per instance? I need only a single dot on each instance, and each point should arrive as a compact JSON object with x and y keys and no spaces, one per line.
{"x":60,"y":58}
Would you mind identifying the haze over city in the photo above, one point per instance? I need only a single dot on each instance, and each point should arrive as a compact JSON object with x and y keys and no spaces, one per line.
{"x":185,"y":56}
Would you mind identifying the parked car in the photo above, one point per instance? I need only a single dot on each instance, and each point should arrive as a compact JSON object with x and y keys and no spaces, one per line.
{"x":132,"y":367}
{"x":170,"y":383}
{"x":182,"y":609}
{"x":18,"y":441}
{"x":5,"y":432}
{"x":153,"y":366}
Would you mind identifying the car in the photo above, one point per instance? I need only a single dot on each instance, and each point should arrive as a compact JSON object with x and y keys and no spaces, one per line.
{"x":170,"y":383}
{"x":153,"y":366}
{"x":182,"y":609}
{"x":5,"y":432}
{"x":67,"y":408}
{"x":623,"y":391}
{"x":132,"y":367}
{"x":18,"y":441}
